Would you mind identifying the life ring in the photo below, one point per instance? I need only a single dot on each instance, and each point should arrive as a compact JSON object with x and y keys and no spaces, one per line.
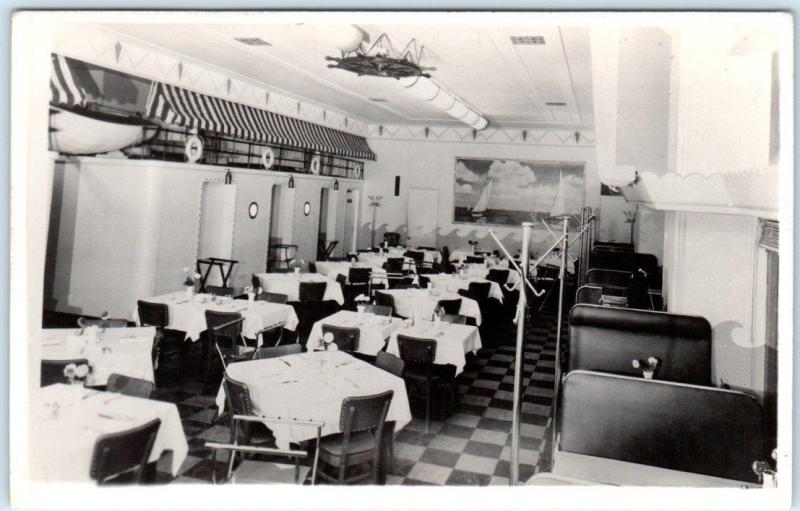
{"x":357,"y":169}
{"x":194,"y":149}
{"x":268,"y":158}
{"x":315,"y":164}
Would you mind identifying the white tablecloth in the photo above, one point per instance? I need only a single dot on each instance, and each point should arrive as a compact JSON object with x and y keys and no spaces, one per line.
{"x":189,"y":315}
{"x":377,"y":260}
{"x":312,"y":386}
{"x":453,"y":341}
{"x":430,"y":256}
{"x":420,"y":303}
{"x":125,"y":351}
{"x":460,"y":256}
{"x":289,"y":285}
{"x":480,"y":271}
{"x":332,"y":269}
{"x":67,"y":420}
{"x":374,"y":330}
{"x":453,"y":282}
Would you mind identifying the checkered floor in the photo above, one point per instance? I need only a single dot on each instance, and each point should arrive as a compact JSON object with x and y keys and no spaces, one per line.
{"x":472,"y":447}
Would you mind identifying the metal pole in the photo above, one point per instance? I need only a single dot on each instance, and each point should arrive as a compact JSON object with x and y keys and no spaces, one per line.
{"x":515,"y":426}
{"x":564,"y":248}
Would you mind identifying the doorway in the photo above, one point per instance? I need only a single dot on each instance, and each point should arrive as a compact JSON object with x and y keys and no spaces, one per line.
{"x":322,"y":228}
{"x":350,"y":235}
{"x":215,"y":235}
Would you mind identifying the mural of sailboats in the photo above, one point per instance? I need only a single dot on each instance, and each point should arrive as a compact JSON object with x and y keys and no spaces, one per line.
{"x":479,"y":210}
{"x":560,"y":203}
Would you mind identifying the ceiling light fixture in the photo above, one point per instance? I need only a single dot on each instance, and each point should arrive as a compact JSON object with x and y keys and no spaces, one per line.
{"x":381,"y":59}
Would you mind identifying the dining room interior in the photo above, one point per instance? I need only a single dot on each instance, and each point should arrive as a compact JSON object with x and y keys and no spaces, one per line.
{"x":487,"y":249}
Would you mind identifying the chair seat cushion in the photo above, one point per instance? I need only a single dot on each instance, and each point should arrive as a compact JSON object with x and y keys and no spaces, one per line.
{"x":261,"y":472}
{"x":331,"y":448}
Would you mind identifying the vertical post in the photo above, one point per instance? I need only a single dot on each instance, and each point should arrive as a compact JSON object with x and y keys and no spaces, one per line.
{"x":521,"y":306}
{"x":557,"y":382}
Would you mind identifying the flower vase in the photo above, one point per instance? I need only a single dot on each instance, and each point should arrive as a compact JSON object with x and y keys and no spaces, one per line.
{"x":648,"y":375}
{"x":189,"y":292}
{"x":297,"y":272}
{"x":360,"y":309}
{"x":251,"y":298}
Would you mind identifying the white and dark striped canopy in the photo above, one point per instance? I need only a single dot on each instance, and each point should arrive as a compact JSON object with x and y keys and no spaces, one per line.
{"x":181,"y":107}
{"x":63,"y":89}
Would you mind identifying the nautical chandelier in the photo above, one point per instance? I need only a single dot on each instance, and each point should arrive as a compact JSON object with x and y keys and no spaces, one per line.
{"x":381,"y":59}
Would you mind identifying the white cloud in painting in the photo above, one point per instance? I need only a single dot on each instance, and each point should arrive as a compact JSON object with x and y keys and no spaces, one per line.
{"x":465,"y":175}
{"x":513,"y":182}
{"x":464,"y":188}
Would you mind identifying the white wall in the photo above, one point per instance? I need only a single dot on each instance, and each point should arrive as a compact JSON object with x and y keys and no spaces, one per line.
{"x":431,"y":164}
{"x":125,"y":228}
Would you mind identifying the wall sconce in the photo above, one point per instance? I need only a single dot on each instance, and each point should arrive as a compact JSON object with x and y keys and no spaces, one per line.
{"x":228,"y":178}
{"x":291,"y":181}
{"x":336,"y":184}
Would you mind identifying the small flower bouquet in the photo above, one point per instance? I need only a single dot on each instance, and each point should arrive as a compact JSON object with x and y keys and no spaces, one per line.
{"x":76,"y":374}
{"x":190,"y":280}
{"x":647,"y":367}
{"x":361,"y":301}
{"x":474,"y":245}
{"x":297,"y":265}
{"x":251,"y":296}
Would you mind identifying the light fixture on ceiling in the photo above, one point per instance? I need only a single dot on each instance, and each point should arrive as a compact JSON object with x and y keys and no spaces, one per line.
{"x":382,"y":60}
{"x":428,"y":90}
{"x":527,"y":40}
{"x":252,"y":41}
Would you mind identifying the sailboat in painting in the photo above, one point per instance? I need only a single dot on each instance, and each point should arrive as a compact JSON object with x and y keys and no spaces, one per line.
{"x":479,"y":210}
{"x":560,"y":203}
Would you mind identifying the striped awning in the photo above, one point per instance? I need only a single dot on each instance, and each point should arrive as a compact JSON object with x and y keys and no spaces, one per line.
{"x":63,"y":89}
{"x":181,"y":107}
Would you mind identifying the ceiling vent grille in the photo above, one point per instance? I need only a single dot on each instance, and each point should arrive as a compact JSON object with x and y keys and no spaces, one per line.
{"x":379,"y":100}
{"x":252,"y":41}
{"x":555,"y":103}
{"x":527,"y":40}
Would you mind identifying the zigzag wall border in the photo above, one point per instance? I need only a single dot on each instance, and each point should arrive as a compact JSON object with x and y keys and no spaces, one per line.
{"x":549,"y":137}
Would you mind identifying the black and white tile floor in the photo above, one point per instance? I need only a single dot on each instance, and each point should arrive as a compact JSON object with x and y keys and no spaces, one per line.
{"x":471,"y":447}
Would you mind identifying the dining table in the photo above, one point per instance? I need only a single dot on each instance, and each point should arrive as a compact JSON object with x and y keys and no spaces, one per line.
{"x":126,"y":351}
{"x":428,"y":255}
{"x":453,"y":341}
{"x":289,"y":285}
{"x":187,"y":314}
{"x":374,"y":330}
{"x":333,"y":269}
{"x":312,"y":386}
{"x":481,"y":271}
{"x":67,"y":420}
{"x":421,"y":303}
{"x":453,"y":282}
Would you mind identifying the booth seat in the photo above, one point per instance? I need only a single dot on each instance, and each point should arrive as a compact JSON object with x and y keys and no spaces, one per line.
{"x":608,"y":339}
{"x":621,"y":430}
{"x":628,"y":261}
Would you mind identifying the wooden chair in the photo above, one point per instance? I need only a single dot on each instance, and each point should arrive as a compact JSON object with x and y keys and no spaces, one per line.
{"x":498,"y":275}
{"x":278,"y":351}
{"x":250,"y":435}
{"x":312,"y":291}
{"x":457,"y":319}
{"x":225,"y":333}
{"x":423,"y":281}
{"x":479,"y":291}
{"x":220,"y":290}
{"x":400,"y":282}
{"x":450,"y":306}
{"x":418,"y":355}
{"x":390,"y":363}
{"x":362,"y":422}
{"x":127,"y":452}
{"x":53,"y":370}
{"x":312,"y":267}
{"x":378,"y":310}
{"x":129,"y":386}
{"x":346,"y":339}
{"x":155,"y":315}
{"x":272,"y":297}
{"x":384,"y":299}
{"x":391,"y":238}
{"x":394,"y":265}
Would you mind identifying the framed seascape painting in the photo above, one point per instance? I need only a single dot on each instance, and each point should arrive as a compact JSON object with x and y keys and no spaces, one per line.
{"x":509,"y":192}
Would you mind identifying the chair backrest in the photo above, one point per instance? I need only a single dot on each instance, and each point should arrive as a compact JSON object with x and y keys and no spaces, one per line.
{"x":450,"y":306}
{"x":220,"y":290}
{"x":272,"y":297}
{"x":458,"y":319}
{"x":365,"y":413}
{"x":473,"y":259}
{"x":379,"y":310}
{"x":346,"y":339}
{"x":480,"y":290}
{"x":670,"y":425}
{"x":256,"y":282}
{"x":130,"y":386}
{"x":312,"y":291}
{"x":390,"y":363}
{"x":118,"y":453}
{"x":394,"y":264}
{"x":608,"y":339}
{"x":589,"y":294}
{"x":416,"y":255}
{"x":237,"y":396}
{"x":278,"y":351}
{"x":384,"y":299}
{"x":423,"y":281}
{"x":53,"y":370}
{"x":312,"y":267}
{"x":153,"y":314}
{"x":359,"y":275}
{"x":498,"y":275}
{"x":400,"y":282}
{"x":391,"y":238}
{"x":341,"y":279}
{"x":609,"y":278}
{"x":416,"y":350}
{"x":224,"y":326}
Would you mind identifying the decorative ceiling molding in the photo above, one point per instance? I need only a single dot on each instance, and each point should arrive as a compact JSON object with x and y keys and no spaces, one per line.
{"x":122,"y":53}
{"x":548,"y":137}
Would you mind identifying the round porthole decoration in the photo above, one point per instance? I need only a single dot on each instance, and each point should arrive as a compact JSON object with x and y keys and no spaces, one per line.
{"x":268,"y":158}
{"x":253,"y":210}
{"x":307,"y":208}
{"x":315,"y":164}
{"x":194,"y":149}
{"x":357,"y":171}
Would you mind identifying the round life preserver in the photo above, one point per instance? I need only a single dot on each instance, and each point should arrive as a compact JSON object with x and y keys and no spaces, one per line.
{"x":268,"y":158}
{"x":315,"y":164}
{"x":194,"y":149}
